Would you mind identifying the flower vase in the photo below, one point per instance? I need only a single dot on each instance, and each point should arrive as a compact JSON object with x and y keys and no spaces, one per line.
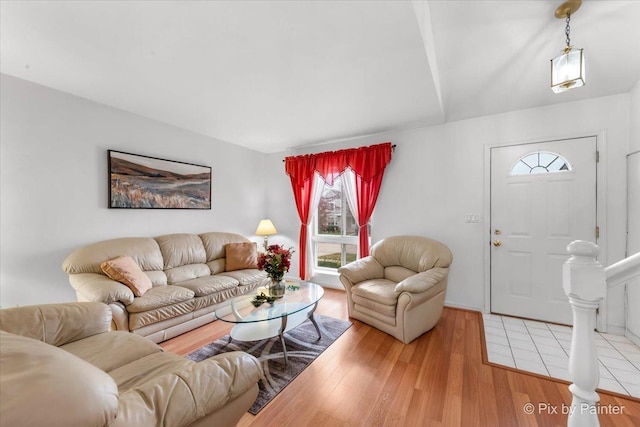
{"x":276,"y":287}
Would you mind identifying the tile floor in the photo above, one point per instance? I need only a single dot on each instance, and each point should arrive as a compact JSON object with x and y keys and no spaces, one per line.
{"x":543,"y":348}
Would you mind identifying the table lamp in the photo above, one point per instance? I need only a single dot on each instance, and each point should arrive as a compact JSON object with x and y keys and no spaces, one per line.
{"x":266,"y":229}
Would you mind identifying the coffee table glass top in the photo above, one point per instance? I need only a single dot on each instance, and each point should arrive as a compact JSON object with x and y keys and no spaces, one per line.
{"x":298,"y":296}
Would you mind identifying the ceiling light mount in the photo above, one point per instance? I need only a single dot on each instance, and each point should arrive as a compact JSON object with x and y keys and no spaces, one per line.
{"x":568,"y":8}
{"x":567,"y":69}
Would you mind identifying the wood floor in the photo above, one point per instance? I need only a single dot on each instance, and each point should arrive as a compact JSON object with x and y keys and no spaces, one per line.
{"x":367,"y":378}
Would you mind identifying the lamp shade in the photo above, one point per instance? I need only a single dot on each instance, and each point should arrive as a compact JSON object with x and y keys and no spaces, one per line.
{"x":266,"y":228}
{"x":567,"y":70}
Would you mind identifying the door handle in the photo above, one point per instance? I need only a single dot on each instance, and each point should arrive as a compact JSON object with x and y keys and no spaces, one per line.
{"x":497,"y":243}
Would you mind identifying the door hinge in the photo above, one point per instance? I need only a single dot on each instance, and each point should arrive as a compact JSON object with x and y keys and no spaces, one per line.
{"x":597,"y":232}
{"x":597,"y":156}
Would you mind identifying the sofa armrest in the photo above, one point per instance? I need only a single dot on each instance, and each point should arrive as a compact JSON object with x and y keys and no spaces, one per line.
{"x":98,"y":287}
{"x":42,"y":385}
{"x":182,"y":397}
{"x":120,"y":320}
{"x":57,"y":324}
{"x":363,"y":269}
{"x":422,"y":282}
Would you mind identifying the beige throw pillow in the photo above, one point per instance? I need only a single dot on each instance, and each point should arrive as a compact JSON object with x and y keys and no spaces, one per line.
{"x":125,"y":270}
{"x":241,"y":256}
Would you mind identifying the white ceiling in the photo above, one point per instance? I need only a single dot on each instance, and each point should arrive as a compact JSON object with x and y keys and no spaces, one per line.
{"x":271,"y":75}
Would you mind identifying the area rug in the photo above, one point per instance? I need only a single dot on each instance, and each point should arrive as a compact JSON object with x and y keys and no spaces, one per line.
{"x":303,"y":346}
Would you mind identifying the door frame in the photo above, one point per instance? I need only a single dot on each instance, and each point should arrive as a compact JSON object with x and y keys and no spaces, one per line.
{"x":601,"y":208}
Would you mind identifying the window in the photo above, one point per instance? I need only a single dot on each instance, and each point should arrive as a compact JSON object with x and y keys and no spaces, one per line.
{"x":540,"y":162}
{"x":336,"y":231}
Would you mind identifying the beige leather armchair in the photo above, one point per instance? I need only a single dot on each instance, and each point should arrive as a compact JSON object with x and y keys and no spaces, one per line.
{"x":400,"y":287}
{"x":61,"y":366}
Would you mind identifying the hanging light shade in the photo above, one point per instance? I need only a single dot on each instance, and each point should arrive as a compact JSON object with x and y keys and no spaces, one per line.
{"x":568,"y":68}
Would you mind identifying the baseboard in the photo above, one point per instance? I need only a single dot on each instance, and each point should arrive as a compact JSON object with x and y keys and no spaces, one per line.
{"x":454,"y":304}
{"x":330,"y":281}
{"x":616,"y":330}
{"x":332,"y":286}
{"x":632,"y":337}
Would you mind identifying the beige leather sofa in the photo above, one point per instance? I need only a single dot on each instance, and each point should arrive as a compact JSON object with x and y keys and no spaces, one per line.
{"x":61,"y":366}
{"x":400,"y":288}
{"x":188,"y":273}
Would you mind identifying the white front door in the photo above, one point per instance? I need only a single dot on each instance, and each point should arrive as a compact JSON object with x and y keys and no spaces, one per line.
{"x":543,"y":197}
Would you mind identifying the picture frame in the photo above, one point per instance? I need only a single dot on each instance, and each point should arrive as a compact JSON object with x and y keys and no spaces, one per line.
{"x":143,"y":182}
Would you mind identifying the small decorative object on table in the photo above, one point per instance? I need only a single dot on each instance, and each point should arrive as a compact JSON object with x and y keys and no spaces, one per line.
{"x":258,"y":300}
{"x":275,"y":261}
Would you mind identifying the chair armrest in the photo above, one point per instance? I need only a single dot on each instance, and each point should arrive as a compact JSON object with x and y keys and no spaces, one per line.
{"x":57,"y":324}
{"x":363,"y":269}
{"x":422,"y":281}
{"x":98,"y":287}
{"x":182,"y":397}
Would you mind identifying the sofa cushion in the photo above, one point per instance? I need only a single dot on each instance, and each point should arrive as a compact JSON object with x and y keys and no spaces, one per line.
{"x":215,"y":242}
{"x":217,"y":265}
{"x":124,"y":269}
{"x":181,"y":249}
{"x":57,"y":324}
{"x":379,"y":290}
{"x":384,"y":312}
{"x":397,"y":273}
{"x":187,"y":272}
{"x":208,"y":285}
{"x":173,"y":312}
{"x":158,"y":278}
{"x":42,"y":385}
{"x":160,"y":296}
{"x":112,"y":350}
{"x":144,"y":251}
{"x":414,"y":252}
{"x":185,"y":397}
{"x":246,"y":277}
{"x":373,"y":310}
{"x":206,"y":302}
{"x":139,"y":371}
{"x":241,"y":256}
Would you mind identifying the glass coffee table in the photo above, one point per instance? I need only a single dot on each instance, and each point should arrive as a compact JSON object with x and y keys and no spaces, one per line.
{"x":271,"y":319}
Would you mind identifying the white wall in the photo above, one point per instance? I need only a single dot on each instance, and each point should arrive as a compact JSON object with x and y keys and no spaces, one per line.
{"x":54,"y":185}
{"x":436,"y":178}
{"x":633,"y":215}
{"x":634,"y":118}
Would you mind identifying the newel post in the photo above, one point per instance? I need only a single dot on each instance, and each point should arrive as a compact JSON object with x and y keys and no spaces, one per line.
{"x":584,"y":282}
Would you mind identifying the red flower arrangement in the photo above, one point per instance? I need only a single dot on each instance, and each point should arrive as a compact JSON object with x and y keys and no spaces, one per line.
{"x":276,"y":261}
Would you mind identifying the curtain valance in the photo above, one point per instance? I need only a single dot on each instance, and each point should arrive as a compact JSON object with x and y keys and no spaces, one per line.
{"x":366,"y":162}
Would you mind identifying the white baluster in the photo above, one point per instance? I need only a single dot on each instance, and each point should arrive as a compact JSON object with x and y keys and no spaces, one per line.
{"x":584,"y":282}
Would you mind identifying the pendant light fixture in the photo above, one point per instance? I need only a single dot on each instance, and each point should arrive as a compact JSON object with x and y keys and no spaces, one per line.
{"x":567,"y":69}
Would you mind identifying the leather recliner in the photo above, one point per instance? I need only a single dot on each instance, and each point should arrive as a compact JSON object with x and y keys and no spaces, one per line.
{"x":61,"y":366}
{"x":400,"y":287}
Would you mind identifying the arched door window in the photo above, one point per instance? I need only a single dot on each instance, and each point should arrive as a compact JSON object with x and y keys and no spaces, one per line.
{"x":540,"y":162}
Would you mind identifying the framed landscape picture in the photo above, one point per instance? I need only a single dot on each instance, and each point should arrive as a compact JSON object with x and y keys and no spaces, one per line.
{"x":142,"y":182}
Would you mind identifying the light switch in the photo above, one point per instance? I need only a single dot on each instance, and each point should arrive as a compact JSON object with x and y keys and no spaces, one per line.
{"x":473,"y":218}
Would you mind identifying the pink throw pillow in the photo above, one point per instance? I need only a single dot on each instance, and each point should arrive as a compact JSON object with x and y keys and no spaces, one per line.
{"x":125,"y":270}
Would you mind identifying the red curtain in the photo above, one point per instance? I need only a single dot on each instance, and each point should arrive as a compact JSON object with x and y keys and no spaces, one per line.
{"x":301,"y":169}
{"x":368,"y":164}
{"x":331,"y":164}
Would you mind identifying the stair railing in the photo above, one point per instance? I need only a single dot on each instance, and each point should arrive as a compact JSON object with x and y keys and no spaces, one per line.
{"x":585,"y":282}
